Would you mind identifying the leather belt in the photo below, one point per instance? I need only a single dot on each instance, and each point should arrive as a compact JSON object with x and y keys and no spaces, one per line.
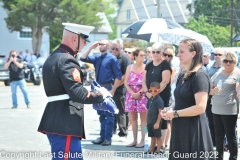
{"x":58,"y":97}
{"x":106,"y":84}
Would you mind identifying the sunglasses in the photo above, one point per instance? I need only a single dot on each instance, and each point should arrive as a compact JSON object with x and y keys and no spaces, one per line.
{"x":156,"y":52}
{"x":127,"y":52}
{"x":101,"y":44}
{"x":153,"y":90}
{"x":116,"y":49}
{"x":217,"y":54}
{"x":228,"y":61}
{"x":167,"y":55}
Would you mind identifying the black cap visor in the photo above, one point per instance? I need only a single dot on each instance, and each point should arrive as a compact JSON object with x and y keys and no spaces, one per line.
{"x":85,"y":37}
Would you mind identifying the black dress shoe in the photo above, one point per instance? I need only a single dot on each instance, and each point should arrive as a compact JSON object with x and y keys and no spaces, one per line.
{"x":98,"y":141}
{"x":106,"y":143}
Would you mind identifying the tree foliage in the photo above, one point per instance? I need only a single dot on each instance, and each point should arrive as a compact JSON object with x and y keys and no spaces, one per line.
{"x":49,"y":15}
{"x":78,"y":11}
{"x":218,"y":35}
{"x":110,"y":12}
{"x":217,"y":11}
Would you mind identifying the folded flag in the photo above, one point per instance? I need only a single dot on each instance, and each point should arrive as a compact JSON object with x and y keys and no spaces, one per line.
{"x":108,"y":104}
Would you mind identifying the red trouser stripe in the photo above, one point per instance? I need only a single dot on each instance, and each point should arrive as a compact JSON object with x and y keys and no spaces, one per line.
{"x":67,"y":147}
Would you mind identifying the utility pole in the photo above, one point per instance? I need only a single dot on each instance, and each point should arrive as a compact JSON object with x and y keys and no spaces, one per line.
{"x":231,"y":36}
{"x":192,"y":8}
{"x":158,"y":9}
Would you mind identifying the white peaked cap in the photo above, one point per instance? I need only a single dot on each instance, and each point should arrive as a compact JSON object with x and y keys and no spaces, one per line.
{"x":77,"y":28}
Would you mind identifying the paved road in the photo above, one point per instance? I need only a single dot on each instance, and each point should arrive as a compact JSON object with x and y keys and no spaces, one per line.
{"x":20,"y":140}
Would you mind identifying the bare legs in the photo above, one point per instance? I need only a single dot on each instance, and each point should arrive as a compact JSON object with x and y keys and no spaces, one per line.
{"x":164,"y":133}
{"x":154,"y":141}
{"x":169,"y":125}
{"x":134,"y":117}
{"x":143,"y":118}
{"x":130,"y":121}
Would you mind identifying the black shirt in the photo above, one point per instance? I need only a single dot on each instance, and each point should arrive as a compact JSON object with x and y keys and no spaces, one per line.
{"x":154,"y":74}
{"x":184,"y":93}
{"x":123,"y":61}
{"x":15,"y":72}
{"x":153,"y":106}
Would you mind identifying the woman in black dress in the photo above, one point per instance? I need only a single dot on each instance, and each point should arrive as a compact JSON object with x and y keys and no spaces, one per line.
{"x":190,"y":137}
{"x":159,"y":70}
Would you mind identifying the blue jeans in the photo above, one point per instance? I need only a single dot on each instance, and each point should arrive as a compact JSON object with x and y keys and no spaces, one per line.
{"x":107,"y":122}
{"x":22,"y":85}
{"x":65,"y":146}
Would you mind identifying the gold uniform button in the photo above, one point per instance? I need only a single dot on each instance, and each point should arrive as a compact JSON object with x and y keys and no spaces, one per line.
{"x":78,"y":107}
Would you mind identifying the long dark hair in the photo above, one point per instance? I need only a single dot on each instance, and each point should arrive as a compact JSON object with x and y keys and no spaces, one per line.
{"x":193,"y":45}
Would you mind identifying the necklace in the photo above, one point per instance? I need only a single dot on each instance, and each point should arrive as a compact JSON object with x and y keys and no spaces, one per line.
{"x":153,"y":69}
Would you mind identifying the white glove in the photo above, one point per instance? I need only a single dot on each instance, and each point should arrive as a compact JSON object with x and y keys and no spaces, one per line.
{"x":104,"y":92}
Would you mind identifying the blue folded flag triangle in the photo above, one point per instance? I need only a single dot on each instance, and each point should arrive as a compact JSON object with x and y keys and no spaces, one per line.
{"x":108,"y":104}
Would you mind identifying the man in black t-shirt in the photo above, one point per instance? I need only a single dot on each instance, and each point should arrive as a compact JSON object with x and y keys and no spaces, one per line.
{"x":15,"y":67}
{"x":119,"y":96}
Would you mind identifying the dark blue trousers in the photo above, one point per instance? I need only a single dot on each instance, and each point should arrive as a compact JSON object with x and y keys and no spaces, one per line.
{"x":107,"y":122}
{"x":65,"y":147}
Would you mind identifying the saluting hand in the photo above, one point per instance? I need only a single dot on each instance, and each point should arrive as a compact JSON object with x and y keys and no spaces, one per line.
{"x":94,"y":45}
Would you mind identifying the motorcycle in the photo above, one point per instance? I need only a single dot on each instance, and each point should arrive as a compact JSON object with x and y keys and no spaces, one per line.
{"x":88,"y":73}
{"x":32,"y":73}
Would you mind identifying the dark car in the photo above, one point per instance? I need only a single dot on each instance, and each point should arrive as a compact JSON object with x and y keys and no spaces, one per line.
{"x":4,"y":73}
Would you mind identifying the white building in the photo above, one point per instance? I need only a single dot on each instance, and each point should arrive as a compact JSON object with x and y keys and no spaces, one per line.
{"x":19,"y":41}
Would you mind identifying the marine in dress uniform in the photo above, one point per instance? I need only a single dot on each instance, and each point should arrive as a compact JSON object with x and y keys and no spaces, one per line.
{"x":63,"y":118}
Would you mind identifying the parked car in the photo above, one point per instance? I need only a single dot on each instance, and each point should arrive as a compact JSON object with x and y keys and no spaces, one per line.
{"x":4,"y":73}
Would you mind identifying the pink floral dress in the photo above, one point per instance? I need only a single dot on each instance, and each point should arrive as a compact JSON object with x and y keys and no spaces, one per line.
{"x":135,"y":83}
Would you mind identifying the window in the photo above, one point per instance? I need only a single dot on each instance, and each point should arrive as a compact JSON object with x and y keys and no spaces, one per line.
{"x":25,"y":34}
{"x":128,"y":14}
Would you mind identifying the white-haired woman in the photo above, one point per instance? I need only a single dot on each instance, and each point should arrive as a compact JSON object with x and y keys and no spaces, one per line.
{"x":225,"y":104}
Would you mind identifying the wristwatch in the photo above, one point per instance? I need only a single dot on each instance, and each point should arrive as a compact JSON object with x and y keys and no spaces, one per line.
{"x":176,"y":114}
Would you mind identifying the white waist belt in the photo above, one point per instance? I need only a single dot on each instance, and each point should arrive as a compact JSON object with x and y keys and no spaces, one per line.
{"x":59,"y":97}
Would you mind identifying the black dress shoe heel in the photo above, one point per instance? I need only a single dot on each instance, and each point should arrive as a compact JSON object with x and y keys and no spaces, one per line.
{"x":106,"y":143}
{"x":98,"y":141}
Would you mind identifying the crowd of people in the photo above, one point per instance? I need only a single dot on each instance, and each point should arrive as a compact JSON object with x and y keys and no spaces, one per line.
{"x":192,"y":100}
{"x":187,"y":100}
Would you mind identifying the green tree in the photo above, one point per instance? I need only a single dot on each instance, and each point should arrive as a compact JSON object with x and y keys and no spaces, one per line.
{"x":218,"y":35}
{"x":110,"y":11}
{"x":217,"y":11}
{"x":45,"y":14}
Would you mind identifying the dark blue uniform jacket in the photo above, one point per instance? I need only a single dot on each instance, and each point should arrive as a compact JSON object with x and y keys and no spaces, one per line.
{"x":64,"y":117}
